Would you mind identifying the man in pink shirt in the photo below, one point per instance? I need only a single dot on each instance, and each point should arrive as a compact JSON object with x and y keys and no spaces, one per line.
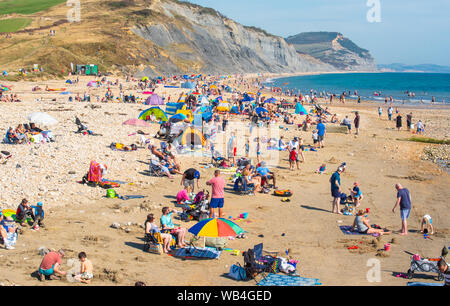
{"x":218,"y":189}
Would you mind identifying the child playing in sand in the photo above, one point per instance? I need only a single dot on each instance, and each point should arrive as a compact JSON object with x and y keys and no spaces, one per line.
{"x":356,"y":194}
{"x":293,"y":159}
{"x":426,"y":221}
{"x":322,"y":169}
{"x":86,"y":272}
{"x":315,"y":137}
{"x":183,"y":197}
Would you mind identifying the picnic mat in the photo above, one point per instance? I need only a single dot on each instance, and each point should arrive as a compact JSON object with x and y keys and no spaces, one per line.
{"x":288,"y":280}
{"x":210,"y":253}
{"x":424,"y":284}
{"x":348,"y":230}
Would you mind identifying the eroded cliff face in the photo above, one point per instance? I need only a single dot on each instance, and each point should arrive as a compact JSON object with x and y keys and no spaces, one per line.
{"x":334,"y":49}
{"x":192,"y":38}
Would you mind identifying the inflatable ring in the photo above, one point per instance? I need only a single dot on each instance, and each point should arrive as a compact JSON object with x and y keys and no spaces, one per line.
{"x":282,"y":193}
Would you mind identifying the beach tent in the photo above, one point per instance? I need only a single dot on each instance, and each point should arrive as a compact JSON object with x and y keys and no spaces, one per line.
{"x":204,"y":101}
{"x":159,"y":114}
{"x":172,"y":108}
{"x":177,"y":118}
{"x":188,"y":85}
{"x":271,"y":100}
{"x":234,"y":110}
{"x":68,"y":82}
{"x":90,"y":69}
{"x":223,"y":107}
{"x":186,"y":112}
{"x":261,"y":111}
{"x":247,"y":98}
{"x":299,"y":109}
{"x":92,"y":84}
{"x":190,"y":137}
{"x":154,"y":100}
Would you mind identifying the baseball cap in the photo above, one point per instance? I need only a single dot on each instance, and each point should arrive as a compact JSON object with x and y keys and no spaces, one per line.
{"x":197,"y":174}
{"x":39,"y":204}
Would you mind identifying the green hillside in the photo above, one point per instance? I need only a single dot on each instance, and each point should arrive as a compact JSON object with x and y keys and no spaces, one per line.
{"x":26,"y":7}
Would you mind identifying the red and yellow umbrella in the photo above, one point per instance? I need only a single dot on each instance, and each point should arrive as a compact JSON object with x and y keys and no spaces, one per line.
{"x":216,"y":227}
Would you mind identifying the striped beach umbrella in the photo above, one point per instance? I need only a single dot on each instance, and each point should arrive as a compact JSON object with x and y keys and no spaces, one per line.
{"x":216,"y":227}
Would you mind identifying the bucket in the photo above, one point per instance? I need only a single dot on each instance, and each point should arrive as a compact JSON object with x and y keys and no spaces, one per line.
{"x":387,"y":246}
{"x":235,"y":252}
{"x":244,"y":215}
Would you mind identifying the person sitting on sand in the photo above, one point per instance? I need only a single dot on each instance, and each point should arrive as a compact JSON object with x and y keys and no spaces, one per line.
{"x":23,"y":212}
{"x":21,"y":134}
{"x":8,"y":229}
{"x":363,"y":227}
{"x":38,"y":216}
{"x":443,"y":268}
{"x":151,"y":228}
{"x":167,"y":225}
{"x":86,"y":271}
{"x":266,"y":174}
{"x":183,"y":195}
{"x":356,"y":194}
{"x":251,"y":178}
{"x":334,"y":119}
{"x":426,"y":222}
{"x":50,"y":265}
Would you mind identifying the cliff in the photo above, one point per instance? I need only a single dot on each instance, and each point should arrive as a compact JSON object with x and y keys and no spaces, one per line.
{"x":334,"y":49}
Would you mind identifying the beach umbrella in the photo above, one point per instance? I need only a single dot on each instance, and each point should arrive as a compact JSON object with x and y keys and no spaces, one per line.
{"x":136,"y":122}
{"x":216,"y":227}
{"x":41,"y":119}
{"x":271,"y":100}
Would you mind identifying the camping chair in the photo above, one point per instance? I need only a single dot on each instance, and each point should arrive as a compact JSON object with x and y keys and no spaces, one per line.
{"x":154,"y":242}
{"x":155,"y":169}
{"x":255,"y":262}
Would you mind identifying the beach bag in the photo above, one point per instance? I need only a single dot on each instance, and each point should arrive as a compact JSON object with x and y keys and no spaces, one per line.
{"x":154,"y":248}
{"x":110,"y":193}
{"x":283,"y":193}
{"x":216,"y":242}
{"x":237,"y":272}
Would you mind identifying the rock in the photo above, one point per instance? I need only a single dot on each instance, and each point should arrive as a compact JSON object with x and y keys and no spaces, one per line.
{"x":115,"y":225}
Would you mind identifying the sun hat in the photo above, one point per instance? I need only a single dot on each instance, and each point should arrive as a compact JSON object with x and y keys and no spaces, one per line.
{"x":39,"y":204}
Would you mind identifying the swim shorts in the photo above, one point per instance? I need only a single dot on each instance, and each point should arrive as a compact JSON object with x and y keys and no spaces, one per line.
{"x":404,"y":213}
{"x":217,"y":203}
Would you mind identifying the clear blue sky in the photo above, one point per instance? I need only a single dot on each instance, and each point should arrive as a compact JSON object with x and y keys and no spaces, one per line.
{"x":410,"y":31}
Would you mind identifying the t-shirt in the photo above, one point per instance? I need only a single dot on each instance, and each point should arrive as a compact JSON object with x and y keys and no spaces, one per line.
{"x":167,"y":220}
{"x":335,"y":177}
{"x":262,"y":171}
{"x":405,"y":202}
{"x":189,"y":174}
{"x":293,"y":145}
{"x":50,"y":259}
{"x":321,"y":129}
{"x":218,"y":185}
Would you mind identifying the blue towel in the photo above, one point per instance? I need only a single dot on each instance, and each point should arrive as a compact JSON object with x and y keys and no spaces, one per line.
{"x":128,"y":197}
{"x":348,"y":230}
{"x":424,"y":284}
{"x":288,"y":280}
{"x":118,"y":182}
{"x":210,"y":253}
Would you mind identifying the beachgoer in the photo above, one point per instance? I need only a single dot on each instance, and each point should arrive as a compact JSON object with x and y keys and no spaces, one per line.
{"x":404,"y":201}
{"x":443,"y":268}
{"x":347,"y":123}
{"x":8,"y":231}
{"x":321,"y":131}
{"x":23,"y":212}
{"x":426,"y":222}
{"x":189,"y":177}
{"x":183,"y":195}
{"x":335,"y":181}
{"x":356,"y":194}
{"x":361,"y":224}
{"x":356,"y":122}
{"x":151,"y":228}
{"x":87,"y":269}
{"x":50,"y":265}
{"x":217,"y":184}
{"x":38,"y":216}
{"x":266,"y":174}
{"x":398,"y":122}
{"x":167,"y":225}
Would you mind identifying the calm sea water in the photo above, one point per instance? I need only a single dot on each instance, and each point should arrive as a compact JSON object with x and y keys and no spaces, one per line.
{"x":397,"y":85}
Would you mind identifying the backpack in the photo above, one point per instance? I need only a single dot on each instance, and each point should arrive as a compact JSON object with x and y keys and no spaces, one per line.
{"x":237,"y":272}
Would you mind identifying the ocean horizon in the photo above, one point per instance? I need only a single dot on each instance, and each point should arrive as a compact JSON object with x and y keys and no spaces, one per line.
{"x":403,"y":87}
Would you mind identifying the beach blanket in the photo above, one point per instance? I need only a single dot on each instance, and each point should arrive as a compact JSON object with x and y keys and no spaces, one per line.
{"x":11,"y":239}
{"x":348,"y":230}
{"x":113,"y":181}
{"x":206,"y":252}
{"x":128,"y":197}
{"x":424,"y":284}
{"x":288,"y":280}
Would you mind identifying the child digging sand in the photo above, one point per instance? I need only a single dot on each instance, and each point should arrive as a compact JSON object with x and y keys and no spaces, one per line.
{"x":86,"y":272}
{"x":426,"y":222}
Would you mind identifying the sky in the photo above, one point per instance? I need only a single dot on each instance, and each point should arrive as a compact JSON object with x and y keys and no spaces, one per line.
{"x":410,"y":31}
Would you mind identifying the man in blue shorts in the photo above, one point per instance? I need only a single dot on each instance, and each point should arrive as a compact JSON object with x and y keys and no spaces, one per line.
{"x":404,"y":200}
{"x":335,"y":181}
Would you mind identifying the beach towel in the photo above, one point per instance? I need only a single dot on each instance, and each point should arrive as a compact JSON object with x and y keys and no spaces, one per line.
{"x":113,"y":181}
{"x":128,"y":197}
{"x":348,"y":230}
{"x":11,"y":239}
{"x":208,"y":253}
{"x":424,"y":284}
{"x":287,"y":280}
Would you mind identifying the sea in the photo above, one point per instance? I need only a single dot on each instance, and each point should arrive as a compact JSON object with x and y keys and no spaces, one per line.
{"x":408,"y":88}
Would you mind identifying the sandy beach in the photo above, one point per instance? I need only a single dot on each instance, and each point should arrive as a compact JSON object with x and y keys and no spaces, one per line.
{"x":79,"y":218}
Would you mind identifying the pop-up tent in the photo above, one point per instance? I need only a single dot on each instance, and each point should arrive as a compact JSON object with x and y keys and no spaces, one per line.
{"x":299,"y":109}
{"x":190,"y":137}
{"x":186,"y":112}
{"x":234,"y":110}
{"x":159,"y":114}
{"x":172,"y":108}
{"x":188,"y":85}
{"x":223,"y":107}
{"x":154,"y":100}
{"x":261,"y":111}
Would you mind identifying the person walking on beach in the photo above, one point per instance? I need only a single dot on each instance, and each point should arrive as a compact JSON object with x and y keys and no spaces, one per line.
{"x":218,"y":193}
{"x":404,"y":201}
{"x":408,"y":121}
{"x":398,"y":121}
{"x":380,"y":112}
{"x":321,"y":132}
{"x":356,"y":123}
{"x":335,"y":181}
{"x":390,"y":110}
